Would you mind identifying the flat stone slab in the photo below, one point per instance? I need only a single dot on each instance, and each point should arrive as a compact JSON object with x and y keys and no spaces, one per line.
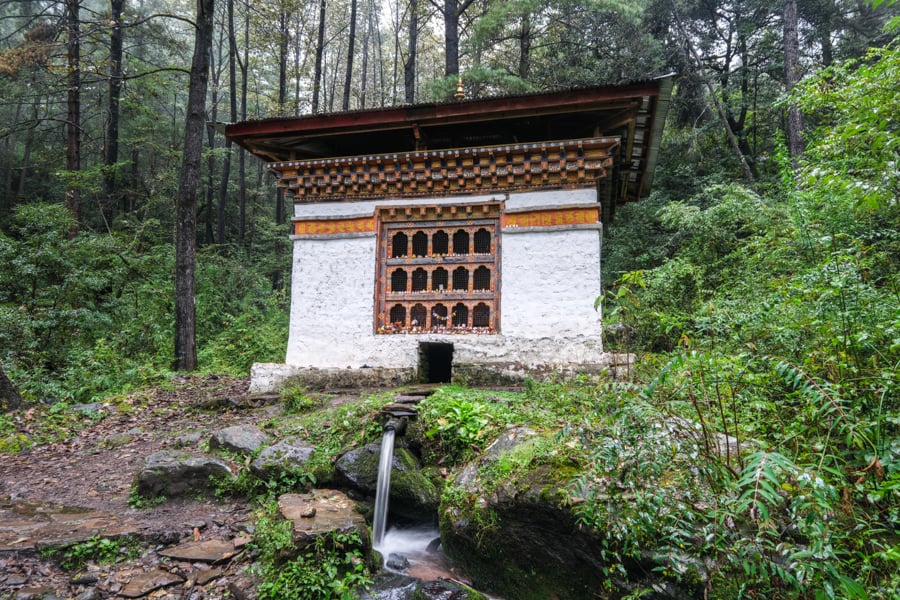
{"x":320,"y":512}
{"x":211,"y":551}
{"x":30,"y":526}
{"x":144,"y":583}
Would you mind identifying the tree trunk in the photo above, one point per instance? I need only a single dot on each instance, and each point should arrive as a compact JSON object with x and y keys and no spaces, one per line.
{"x":186,"y":201}
{"x":409,"y":69}
{"x":242,"y":155}
{"x":73,"y":104}
{"x":9,"y":397}
{"x":364,"y":80}
{"x":791,"y":77}
{"x":351,"y":48}
{"x":451,"y":37}
{"x":525,"y":47}
{"x":26,"y":155}
{"x":6,"y":199}
{"x":320,"y":49}
{"x":284,"y":36}
{"x":111,"y":155}
{"x":209,"y":236}
{"x":232,"y":114}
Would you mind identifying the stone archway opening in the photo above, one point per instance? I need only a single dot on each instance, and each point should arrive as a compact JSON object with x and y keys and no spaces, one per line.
{"x":435,"y":362}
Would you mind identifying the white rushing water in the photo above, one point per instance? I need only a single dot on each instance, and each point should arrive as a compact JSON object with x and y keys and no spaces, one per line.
{"x":379,"y":521}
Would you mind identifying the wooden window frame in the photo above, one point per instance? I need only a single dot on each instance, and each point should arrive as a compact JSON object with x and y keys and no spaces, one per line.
{"x":429,"y":220}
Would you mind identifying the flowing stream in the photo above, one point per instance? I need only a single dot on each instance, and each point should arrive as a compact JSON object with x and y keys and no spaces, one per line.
{"x":382,"y":491}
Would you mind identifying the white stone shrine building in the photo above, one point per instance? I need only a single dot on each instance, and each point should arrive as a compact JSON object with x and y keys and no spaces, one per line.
{"x":455,"y":240}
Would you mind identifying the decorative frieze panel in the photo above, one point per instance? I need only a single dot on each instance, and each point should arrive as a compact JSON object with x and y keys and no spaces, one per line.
{"x":552,"y":217}
{"x":569,"y":163}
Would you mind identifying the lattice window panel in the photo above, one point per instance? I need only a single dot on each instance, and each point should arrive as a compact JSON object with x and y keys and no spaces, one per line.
{"x":438,"y":270}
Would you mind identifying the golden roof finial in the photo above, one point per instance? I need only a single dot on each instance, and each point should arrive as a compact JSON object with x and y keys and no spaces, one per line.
{"x":460,"y":94}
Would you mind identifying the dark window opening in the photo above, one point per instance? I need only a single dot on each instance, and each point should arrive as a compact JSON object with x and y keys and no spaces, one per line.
{"x":461,"y":242}
{"x":481,"y":279}
{"x":418,"y":316}
{"x":420,"y":280}
{"x":482,"y":242}
{"x":481,"y":315}
{"x":399,"y":245}
{"x":440,"y":243}
{"x":435,"y":362}
{"x":460,"y":315}
{"x":460,"y":279}
{"x":420,"y":244}
{"x":439,"y":316}
{"x":398,"y":281}
{"x":398,"y":316}
{"x":439,"y":279}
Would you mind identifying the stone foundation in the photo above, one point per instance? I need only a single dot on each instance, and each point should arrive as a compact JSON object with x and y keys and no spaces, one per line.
{"x":270,"y":377}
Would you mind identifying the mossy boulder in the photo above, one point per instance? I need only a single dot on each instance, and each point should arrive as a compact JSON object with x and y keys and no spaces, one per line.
{"x":412,"y":494}
{"x":507,"y":520}
{"x":521,"y":540}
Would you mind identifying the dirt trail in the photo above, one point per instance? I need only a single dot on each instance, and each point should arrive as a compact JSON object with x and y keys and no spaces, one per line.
{"x":95,"y":470}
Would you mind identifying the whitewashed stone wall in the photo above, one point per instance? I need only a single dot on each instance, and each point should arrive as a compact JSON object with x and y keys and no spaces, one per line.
{"x":550,"y":278}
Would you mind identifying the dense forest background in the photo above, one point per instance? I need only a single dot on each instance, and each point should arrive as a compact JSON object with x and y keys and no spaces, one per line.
{"x":758,"y":284}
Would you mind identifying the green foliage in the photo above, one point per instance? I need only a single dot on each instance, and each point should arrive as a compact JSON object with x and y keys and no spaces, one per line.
{"x":139,"y":502}
{"x":852,"y":157}
{"x":297,"y":399}
{"x":330,"y":568}
{"x":101,"y":550}
{"x":90,"y":316}
{"x":264,"y":490}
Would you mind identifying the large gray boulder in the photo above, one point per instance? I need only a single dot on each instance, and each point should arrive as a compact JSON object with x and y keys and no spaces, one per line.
{"x":287,"y":455}
{"x":243,"y":439}
{"x":173,"y":473}
{"x":412,"y":494}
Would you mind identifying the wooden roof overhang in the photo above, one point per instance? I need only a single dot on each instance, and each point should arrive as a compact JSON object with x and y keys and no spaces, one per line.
{"x":448,"y":147}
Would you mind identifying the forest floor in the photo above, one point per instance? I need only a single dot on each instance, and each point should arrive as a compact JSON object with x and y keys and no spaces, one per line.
{"x":95,"y":470}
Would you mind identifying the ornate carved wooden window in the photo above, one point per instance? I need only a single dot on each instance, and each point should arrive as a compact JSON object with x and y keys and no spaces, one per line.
{"x":438,"y":269}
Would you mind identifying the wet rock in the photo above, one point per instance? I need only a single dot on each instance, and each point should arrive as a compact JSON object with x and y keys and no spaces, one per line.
{"x":89,"y":594}
{"x":166,"y":538}
{"x":188,"y":439}
{"x":204,"y":576}
{"x":287,"y":455}
{"x":172,"y":473}
{"x":244,"y":439}
{"x":333,"y":512}
{"x":412,"y":494}
{"x":144,"y":583}
{"x":397,"y":562}
{"x":83,"y":579}
{"x":211,"y":551}
{"x":445,"y":590}
{"x":391,"y":586}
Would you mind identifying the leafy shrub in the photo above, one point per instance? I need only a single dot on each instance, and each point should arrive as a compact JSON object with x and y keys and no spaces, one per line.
{"x":331,"y":567}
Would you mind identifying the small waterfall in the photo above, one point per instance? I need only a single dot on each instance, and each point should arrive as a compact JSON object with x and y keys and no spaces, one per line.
{"x":384,"y":486}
